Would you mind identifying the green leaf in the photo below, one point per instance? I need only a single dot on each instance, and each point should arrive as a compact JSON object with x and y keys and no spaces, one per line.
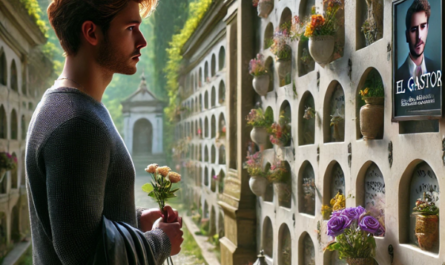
{"x":173,"y":191}
{"x":152,"y":194}
{"x":147,"y":187}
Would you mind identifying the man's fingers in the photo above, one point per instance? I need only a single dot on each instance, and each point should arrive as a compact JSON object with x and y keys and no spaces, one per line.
{"x":172,"y":215}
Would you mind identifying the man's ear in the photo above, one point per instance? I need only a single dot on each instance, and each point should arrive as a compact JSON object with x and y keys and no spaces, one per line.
{"x":91,"y":32}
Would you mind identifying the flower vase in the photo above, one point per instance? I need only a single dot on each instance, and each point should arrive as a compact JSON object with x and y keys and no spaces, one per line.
{"x":360,"y":261}
{"x":371,"y":118}
{"x":258,"y":185}
{"x":2,"y":174}
{"x":259,"y":135}
{"x":264,"y":9}
{"x":283,"y":67}
{"x":427,"y":231}
{"x":261,"y":84}
{"x":321,"y":48}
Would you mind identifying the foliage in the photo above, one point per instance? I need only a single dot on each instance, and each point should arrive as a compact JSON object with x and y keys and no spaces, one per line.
{"x":280,"y":132}
{"x":196,"y":13}
{"x":338,"y":202}
{"x":280,"y":47}
{"x":7,"y":161}
{"x":34,"y":11}
{"x":256,"y":66}
{"x":426,"y":205}
{"x":254,"y":165}
{"x":309,"y":113}
{"x":278,"y":172}
{"x":259,"y":118}
{"x":326,"y":25}
{"x":297,"y":29}
{"x":373,"y":86}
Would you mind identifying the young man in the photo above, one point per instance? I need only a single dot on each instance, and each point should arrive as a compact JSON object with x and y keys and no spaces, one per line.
{"x":81,"y":177}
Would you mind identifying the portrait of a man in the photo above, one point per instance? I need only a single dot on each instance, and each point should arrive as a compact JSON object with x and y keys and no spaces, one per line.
{"x":417,"y":70}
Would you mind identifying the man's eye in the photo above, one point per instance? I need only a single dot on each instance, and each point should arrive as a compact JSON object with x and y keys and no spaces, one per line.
{"x":131,"y":28}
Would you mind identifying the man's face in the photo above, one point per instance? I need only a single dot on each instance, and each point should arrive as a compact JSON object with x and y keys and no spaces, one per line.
{"x":119,"y":51}
{"x":417,"y":33}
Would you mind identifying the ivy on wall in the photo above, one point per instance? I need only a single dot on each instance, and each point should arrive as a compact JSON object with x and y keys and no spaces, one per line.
{"x":197,"y":11}
{"x":33,"y":8}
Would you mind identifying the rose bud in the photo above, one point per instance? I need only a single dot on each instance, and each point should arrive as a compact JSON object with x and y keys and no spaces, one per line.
{"x":173,"y":177}
{"x":151,"y":168}
{"x":163,"y":171}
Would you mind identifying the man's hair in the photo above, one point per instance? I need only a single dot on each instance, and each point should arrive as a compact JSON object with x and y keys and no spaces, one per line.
{"x":67,"y":17}
{"x":417,"y":6}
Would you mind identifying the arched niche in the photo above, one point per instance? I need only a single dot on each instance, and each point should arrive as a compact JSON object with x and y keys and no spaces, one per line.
{"x":206,"y":72}
{"x":332,"y":258}
{"x":200,"y":77}
{"x":206,"y":127}
{"x":286,"y":17}
{"x":222,"y":155}
{"x":205,"y":211}
{"x":267,"y":237}
{"x":370,"y":190}
{"x":221,"y":58}
{"x":307,"y":250}
{"x":142,"y":137}
{"x":306,"y":118}
{"x":14,"y":125}
{"x":305,"y":62}
{"x":213,"y":97}
{"x":269,"y":64}
{"x":334,"y":113}
{"x":3,"y":68}
{"x":268,"y":194}
{"x":30,"y":106}
{"x":206,"y":100}
{"x":306,"y":184}
{"x":221,"y":177}
{"x":199,"y":176}
{"x":213,"y":127}
{"x":284,"y":190}
{"x":340,"y":32}
{"x":286,"y":117}
{"x":268,"y":113}
{"x":222,"y":127}
{"x":206,"y":176}
{"x":284,"y":246}
{"x":192,"y":130}
{"x":334,"y":181}
{"x":213,"y":66}
{"x":192,"y":82}
{"x":14,"y":176}
{"x":213,"y":154}
{"x":14,"y":77}
{"x":222,"y":92}
{"x":213,"y":181}
{"x":418,"y":178}
{"x":200,"y":129}
{"x":371,"y":77}
{"x":369,"y":26}
{"x":268,"y":36}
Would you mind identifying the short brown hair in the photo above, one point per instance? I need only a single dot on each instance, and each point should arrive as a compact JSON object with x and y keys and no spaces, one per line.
{"x":67,"y":17}
{"x":417,"y":6}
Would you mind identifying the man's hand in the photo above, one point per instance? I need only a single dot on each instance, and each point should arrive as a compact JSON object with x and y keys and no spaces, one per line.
{"x":148,"y":217}
{"x":172,"y":215}
{"x":174,"y":233}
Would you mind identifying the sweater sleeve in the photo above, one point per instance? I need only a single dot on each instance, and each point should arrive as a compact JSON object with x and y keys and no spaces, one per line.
{"x":75,"y":161}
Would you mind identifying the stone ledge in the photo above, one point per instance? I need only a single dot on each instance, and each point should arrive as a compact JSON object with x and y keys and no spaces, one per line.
{"x":16,"y":253}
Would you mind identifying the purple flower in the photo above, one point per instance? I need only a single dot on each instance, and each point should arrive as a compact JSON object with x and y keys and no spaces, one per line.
{"x":354,"y":213}
{"x":337,"y":213}
{"x":369,"y":224}
{"x":337,"y":224}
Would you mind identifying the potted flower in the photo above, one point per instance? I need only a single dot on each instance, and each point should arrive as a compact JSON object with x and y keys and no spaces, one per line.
{"x":321,"y":31}
{"x":281,"y":49}
{"x":259,"y":121}
{"x":261,"y":78}
{"x":371,"y":114}
{"x":309,"y":113}
{"x":427,"y":221}
{"x":264,"y":7}
{"x":280,"y":132}
{"x":354,"y":230}
{"x":279,"y":175}
{"x":258,"y":181}
{"x":372,"y":28}
{"x":7,"y":162}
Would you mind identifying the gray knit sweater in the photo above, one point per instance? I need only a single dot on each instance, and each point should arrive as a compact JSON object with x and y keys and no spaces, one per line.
{"x":78,"y":170}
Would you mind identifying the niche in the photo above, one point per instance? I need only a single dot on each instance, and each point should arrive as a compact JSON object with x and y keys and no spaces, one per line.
{"x":200,"y":103}
{"x":200,"y":77}
{"x":305,"y":62}
{"x":418,"y":178}
{"x":374,"y":197}
{"x":283,"y":189}
{"x":222,"y":127}
{"x":206,"y":72}
{"x":306,"y":117}
{"x":222,"y":155}
{"x":213,"y":154}
{"x":213,"y":97}
{"x":269,"y":64}
{"x":222,"y":93}
{"x":221,"y":178}
{"x":332,"y":258}
{"x":206,"y":177}
{"x":268,"y":194}
{"x":285,"y":122}
{"x":199,"y":131}
{"x":307,"y":189}
{"x":206,"y":127}
{"x":206,"y":154}
{"x":267,"y":237}
{"x":213,"y":66}
{"x":307,"y":250}
{"x":369,"y":26}
{"x":285,"y":22}
{"x":334,"y":114}
{"x":3,"y":68}
{"x":371,"y":80}
{"x":14,"y":77}
{"x":14,"y":125}
{"x":334,"y":182}
{"x":222,"y":58}
{"x":206,"y":100}
{"x":268,"y":36}
{"x":284,"y":246}
{"x":213,"y":126}
{"x":213,"y":181}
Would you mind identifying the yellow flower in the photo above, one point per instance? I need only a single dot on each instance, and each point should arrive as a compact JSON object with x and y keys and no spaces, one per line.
{"x":309,"y":30}
{"x":163,"y":171}
{"x":151,"y":168}
{"x":366,"y":91}
{"x":173,"y":177}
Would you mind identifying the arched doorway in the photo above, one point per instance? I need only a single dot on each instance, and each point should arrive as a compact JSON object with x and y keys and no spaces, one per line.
{"x":142,"y":137}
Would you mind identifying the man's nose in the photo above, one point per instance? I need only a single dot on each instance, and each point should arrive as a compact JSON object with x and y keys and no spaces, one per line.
{"x":141,"y":42}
